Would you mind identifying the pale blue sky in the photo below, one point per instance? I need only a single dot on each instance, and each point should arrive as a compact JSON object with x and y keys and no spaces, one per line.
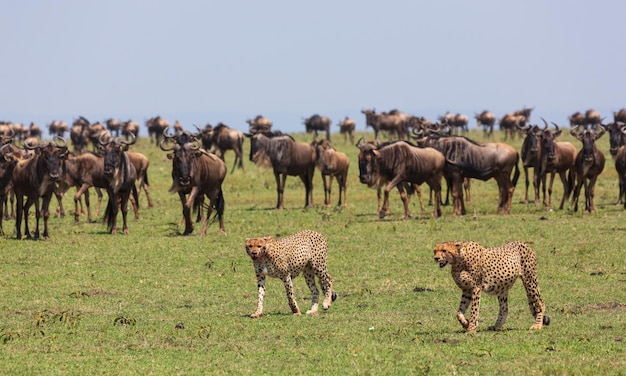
{"x":206,"y":61}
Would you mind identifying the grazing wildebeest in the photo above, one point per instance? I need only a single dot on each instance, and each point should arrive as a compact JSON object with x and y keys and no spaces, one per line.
{"x":394,"y":122}
{"x":530,"y":158}
{"x":121,"y":175}
{"x":588,"y":166}
{"x":259,"y":124}
{"x":156,"y":126}
{"x":37,"y":178}
{"x":196,"y":173}
{"x":113,"y":126}
{"x":469,"y":159}
{"x":288,"y":158}
{"x":347,"y":127}
{"x":222,"y":138}
{"x":317,"y":123}
{"x":332,"y":163}
{"x":555,"y":157}
{"x":399,"y":161}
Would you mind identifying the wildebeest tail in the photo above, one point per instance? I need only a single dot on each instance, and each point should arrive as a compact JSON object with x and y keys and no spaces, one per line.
{"x":135,"y":196}
{"x":516,"y":173}
{"x":219,"y":207}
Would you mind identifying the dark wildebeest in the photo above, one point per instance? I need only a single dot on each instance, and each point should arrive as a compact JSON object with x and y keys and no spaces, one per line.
{"x":347,"y":127}
{"x":79,"y":134}
{"x":221,"y":138}
{"x":510,"y":123}
{"x":35,"y":178}
{"x":530,"y":158}
{"x":620,"y":116}
{"x":34,"y":130}
{"x":259,"y":124}
{"x":399,"y":161}
{"x":288,"y":158}
{"x":332,"y":164}
{"x":617,"y":135}
{"x":317,"y":123}
{"x":57,"y":128}
{"x":486,"y":120}
{"x":469,"y":159}
{"x":577,"y":119}
{"x":130,"y":130}
{"x":113,"y":126}
{"x":8,"y":161}
{"x":156,"y":126}
{"x":121,"y":175}
{"x":555,"y":157}
{"x":589,"y":164}
{"x":196,"y":173}
{"x":592,"y":117}
{"x":395,"y":122}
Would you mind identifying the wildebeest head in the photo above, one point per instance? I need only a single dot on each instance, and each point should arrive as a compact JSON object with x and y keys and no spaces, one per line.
{"x":185,"y":150}
{"x":547,"y":140}
{"x":368,"y":157}
{"x":588,"y":137}
{"x":617,"y":132}
{"x":50,"y":156}
{"x":114,"y":152}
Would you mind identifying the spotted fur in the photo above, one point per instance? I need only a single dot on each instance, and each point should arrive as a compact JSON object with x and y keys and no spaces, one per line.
{"x":494,"y":271}
{"x":286,"y":258}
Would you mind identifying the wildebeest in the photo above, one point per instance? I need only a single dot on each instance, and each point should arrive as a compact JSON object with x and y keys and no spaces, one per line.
{"x":156,"y":126}
{"x":37,"y":178}
{"x":486,"y":119}
{"x":577,"y":119}
{"x":617,"y":135}
{"x":130,"y":130}
{"x":455,"y":121}
{"x":83,"y":171}
{"x":620,"y":116}
{"x":79,"y":134}
{"x":332,"y":164}
{"x":510,"y":123}
{"x":555,"y":157}
{"x":477,"y":161}
{"x":8,"y":161}
{"x":317,"y":123}
{"x":288,"y":158}
{"x":530,"y":158}
{"x":394,"y":122}
{"x":588,"y":166}
{"x":57,"y":128}
{"x":347,"y":127}
{"x":259,"y":124}
{"x":120,"y":174}
{"x":113,"y":126}
{"x":222,"y":138}
{"x":196,"y":173}
{"x":399,"y":161}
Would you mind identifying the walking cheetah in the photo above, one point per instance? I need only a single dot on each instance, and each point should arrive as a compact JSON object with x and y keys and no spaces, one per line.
{"x":493,"y":270}
{"x":304,"y":252}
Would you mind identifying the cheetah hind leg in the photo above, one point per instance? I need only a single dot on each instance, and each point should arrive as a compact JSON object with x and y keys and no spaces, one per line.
{"x":502,"y":315}
{"x":327,"y":288}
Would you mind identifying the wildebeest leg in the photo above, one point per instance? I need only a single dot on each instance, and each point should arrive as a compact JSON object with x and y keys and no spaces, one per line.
{"x":280,"y":188}
{"x":435,"y":185}
{"x":307,"y":179}
{"x":99,"y":193}
{"x":589,"y":193}
{"x":527,"y":181}
{"x":19,"y":216}
{"x":579,"y":183}
{"x":405,"y":200}
{"x":466,"y":186}
{"x":45,"y":212}
{"x":566,"y":188}
{"x":379,"y":195}
{"x":59,"y":196}
{"x":37,"y":217}
{"x":125,"y":196}
{"x":549,"y":203}
{"x":327,"y":181}
{"x":83,"y":189}
{"x":186,"y":214}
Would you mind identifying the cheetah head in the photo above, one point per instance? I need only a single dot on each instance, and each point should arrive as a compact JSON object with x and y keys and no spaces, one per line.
{"x":446,"y":253}
{"x":256,"y":247}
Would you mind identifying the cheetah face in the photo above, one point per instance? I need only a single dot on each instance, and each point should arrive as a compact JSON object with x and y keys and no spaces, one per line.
{"x":445,"y":253}
{"x":256,"y":247}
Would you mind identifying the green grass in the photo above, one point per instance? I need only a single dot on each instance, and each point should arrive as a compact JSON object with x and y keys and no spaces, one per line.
{"x":154,"y":302}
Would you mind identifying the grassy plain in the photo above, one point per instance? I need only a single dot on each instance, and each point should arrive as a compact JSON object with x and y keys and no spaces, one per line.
{"x":155,"y":302}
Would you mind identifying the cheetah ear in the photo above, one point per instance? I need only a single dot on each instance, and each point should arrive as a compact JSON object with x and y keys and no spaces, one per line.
{"x":458,"y":245}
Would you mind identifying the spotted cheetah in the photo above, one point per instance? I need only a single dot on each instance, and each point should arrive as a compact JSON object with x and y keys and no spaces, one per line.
{"x":493,"y":270}
{"x":304,"y":252}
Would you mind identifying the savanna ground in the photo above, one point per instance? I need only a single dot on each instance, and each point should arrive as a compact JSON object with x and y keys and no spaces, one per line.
{"x":155,"y":302}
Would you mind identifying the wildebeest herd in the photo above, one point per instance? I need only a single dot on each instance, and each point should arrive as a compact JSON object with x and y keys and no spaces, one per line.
{"x":418,"y":151}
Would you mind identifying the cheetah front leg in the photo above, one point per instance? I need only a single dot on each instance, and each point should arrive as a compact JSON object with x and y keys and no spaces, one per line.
{"x":261,"y":285}
{"x":292,"y":301}
{"x":466,"y":298}
{"x":309,"y":276}
{"x":503,"y":300}
{"x":473,"y":321}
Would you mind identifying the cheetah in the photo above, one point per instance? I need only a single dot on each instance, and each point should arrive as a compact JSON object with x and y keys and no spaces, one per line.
{"x":304,"y":252}
{"x":493,"y":270}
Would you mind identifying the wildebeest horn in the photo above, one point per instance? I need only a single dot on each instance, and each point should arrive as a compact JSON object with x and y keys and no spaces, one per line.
{"x":101,"y":138}
{"x":545,"y":122}
{"x":166,"y":135}
{"x":63,"y":143}
{"x":555,"y":125}
{"x":131,"y":142}
{"x":360,"y":142}
{"x":27,"y":144}
{"x":162,"y":144}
